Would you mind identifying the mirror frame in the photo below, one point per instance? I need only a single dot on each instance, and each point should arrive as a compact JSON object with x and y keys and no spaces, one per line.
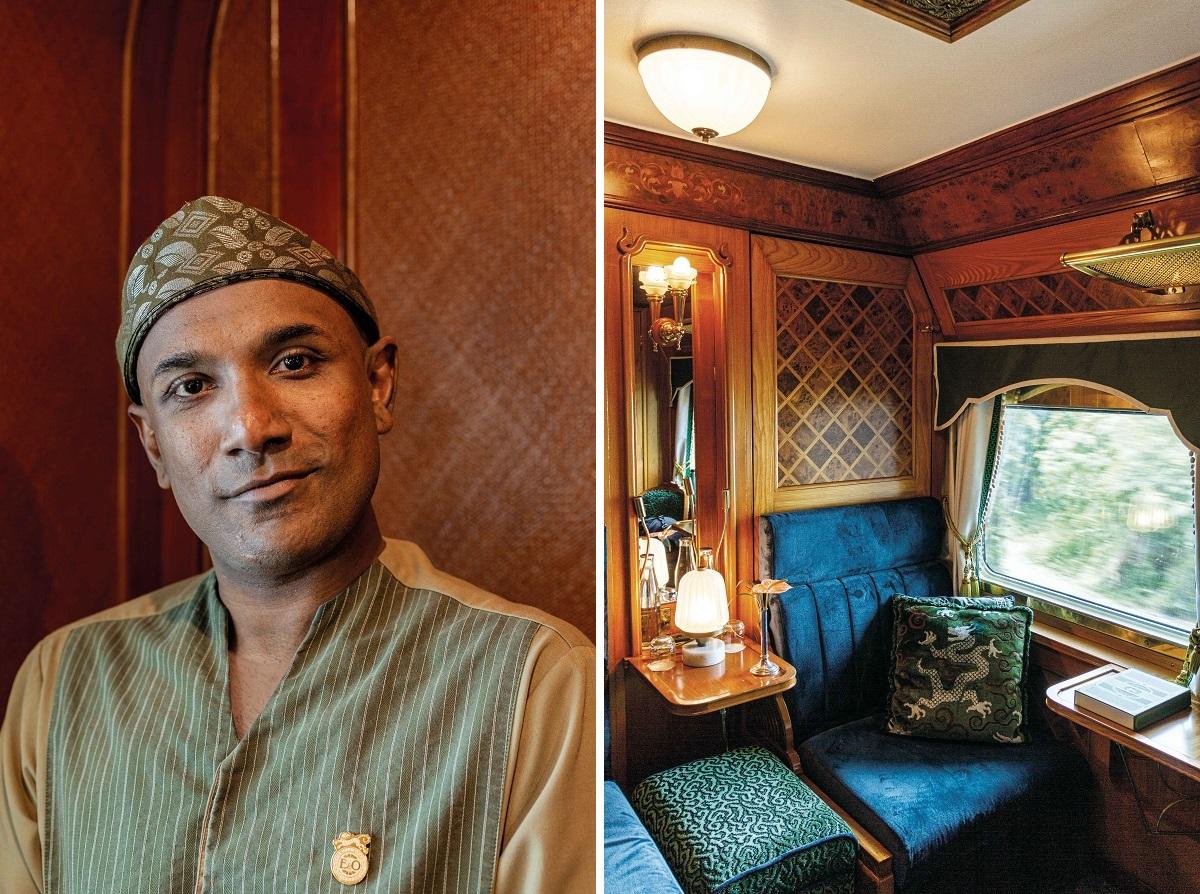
{"x":713,"y":475}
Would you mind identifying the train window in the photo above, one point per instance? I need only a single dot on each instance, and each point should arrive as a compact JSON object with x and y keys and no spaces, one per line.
{"x":1093,"y":509}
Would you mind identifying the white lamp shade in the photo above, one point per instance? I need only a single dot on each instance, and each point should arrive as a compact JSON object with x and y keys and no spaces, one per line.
{"x":701,"y":609}
{"x":704,"y":83}
{"x":658,"y":559}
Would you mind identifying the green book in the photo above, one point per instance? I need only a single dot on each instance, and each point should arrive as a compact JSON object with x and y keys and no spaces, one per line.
{"x":1132,"y":698}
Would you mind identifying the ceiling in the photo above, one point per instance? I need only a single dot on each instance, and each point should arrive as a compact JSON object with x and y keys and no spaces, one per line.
{"x":860,"y":94}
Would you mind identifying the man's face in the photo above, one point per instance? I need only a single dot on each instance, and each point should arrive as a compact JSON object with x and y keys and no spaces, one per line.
{"x":262,"y":410}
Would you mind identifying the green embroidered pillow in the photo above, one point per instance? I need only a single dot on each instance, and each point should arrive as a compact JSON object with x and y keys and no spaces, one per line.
{"x":958,"y":669}
{"x":743,"y":823}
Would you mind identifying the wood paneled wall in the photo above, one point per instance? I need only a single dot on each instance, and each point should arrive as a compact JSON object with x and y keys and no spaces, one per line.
{"x":60,"y":188}
{"x":473,"y":205}
{"x":345,"y":118}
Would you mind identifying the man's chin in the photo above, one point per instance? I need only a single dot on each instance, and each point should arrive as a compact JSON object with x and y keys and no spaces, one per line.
{"x":275,"y":554}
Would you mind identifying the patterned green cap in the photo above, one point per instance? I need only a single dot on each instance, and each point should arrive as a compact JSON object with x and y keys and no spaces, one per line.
{"x":212,"y":242}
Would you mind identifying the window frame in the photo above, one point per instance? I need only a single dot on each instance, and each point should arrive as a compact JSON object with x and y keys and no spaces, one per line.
{"x":1076,"y":610}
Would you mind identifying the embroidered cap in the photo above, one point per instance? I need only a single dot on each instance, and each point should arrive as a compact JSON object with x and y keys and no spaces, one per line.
{"x":212,"y":242}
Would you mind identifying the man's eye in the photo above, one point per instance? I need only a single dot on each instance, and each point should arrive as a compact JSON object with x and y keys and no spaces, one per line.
{"x":187,"y":387}
{"x":295,"y":363}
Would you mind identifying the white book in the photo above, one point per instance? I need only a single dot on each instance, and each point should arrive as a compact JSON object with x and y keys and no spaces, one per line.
{"x":1132,"y":698}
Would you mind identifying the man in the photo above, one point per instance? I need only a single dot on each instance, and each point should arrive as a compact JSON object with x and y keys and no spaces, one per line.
{"x":323,"y":709}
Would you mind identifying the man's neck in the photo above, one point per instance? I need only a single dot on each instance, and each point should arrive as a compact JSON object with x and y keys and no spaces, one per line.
{"x":270,"y":614}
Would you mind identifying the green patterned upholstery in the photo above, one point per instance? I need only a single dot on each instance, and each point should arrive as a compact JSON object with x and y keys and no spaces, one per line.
{"x":743,"y":823}
{"x":958,"y":669}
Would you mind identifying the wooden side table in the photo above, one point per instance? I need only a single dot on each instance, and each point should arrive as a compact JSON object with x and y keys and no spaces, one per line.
{"x":692,"y":691}
{"x":701,"y":690}
{"x":1173,"y":742}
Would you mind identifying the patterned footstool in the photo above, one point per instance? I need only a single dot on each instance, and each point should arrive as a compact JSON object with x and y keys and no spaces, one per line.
{"x":743,"y":823}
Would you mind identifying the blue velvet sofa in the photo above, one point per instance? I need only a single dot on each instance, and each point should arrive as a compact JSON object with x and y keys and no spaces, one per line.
{"x":953,"y":815}
{"x":632,"y":862}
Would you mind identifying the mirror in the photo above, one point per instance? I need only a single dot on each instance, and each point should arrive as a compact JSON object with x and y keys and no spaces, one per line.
{"x":675,"y":362}
{"x":664,"y":443}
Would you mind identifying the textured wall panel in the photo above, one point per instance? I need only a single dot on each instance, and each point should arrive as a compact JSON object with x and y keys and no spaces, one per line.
{"x":240,"y":118}
{"x":59,"y":186}
{"x":475,"y":204}
{"x":843,"y":382}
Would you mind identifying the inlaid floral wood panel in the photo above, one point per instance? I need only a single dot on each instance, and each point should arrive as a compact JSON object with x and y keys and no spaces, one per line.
{"x":1047,"y":295}
{"x":843,"y":384}
{"x":842,"y":380}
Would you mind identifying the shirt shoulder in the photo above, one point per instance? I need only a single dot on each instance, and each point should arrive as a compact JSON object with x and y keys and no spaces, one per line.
{"x":408,"y":563}
{"x":148,"y":605}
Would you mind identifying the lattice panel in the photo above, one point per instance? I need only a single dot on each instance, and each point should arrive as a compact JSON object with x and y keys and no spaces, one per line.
{"x":843,"y":364}
{"x":1070,"y":292}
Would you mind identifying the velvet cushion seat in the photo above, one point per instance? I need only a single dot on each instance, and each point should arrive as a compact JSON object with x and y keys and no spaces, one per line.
{"x":934,"y":803}
{"x":947,"y":811}
{"x":632,"y":862}
{"x":743,"y":823}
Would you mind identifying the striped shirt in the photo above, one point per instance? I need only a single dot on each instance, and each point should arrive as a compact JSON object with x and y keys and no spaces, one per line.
{"x":451,"y":726}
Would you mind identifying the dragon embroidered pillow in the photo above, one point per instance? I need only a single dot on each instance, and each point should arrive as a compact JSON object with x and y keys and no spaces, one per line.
{"x":958,"y":669}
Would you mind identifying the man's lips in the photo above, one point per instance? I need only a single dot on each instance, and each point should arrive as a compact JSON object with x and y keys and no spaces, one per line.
{"x":270,"y":486}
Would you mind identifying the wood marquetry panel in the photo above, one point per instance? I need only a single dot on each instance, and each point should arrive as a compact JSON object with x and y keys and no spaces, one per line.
{"x":843,"y":383}
{"x":842,"y":369}
{"x":1069,"y":292}
{"x":663,"y":175}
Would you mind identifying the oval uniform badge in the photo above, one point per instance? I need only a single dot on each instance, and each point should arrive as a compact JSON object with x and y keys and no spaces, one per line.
{"x":349,"y":861}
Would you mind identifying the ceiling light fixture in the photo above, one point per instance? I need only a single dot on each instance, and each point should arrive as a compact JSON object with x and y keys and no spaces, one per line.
{"x":705,"y":85}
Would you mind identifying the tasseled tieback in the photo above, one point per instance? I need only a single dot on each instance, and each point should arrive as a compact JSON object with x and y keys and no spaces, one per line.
{"x":1191,"y":660}
{"x":970,"y":585}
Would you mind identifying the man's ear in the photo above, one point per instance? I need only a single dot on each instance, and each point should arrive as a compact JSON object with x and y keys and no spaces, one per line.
{"x":381,"y":373}
{"x":141,"y":421}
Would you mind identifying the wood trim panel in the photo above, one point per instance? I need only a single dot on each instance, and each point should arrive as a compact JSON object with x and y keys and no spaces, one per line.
{"x":772,"y":257}
{"x":649,"y":178}
{"x":720,"y":255}
{"x":731,"y":159}
{"x":872,"y":855}
{"x":1038,"y":252}
{"x":901,"y":12}
{"x":1122,"y":148}
{"x":311,"y":122}
{"x":1123,"y":104}
{"x":167,"y":85}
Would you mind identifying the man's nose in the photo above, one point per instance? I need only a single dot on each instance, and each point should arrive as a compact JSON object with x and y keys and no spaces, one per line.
{"x":256,"y":422}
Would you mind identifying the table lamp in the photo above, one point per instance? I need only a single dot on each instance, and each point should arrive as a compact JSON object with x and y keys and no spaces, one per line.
{"x":702,"y":611}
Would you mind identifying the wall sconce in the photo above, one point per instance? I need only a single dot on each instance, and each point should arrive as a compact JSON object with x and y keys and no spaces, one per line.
{"x":676,"y":283}
{"x":705,"y":85}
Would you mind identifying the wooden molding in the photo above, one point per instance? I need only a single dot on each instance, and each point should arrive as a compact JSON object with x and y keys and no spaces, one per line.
{"x":646,"y":175}
{"x":901,"y":12}
{"x":1126,"y":103}
{"x":692,"y":150}
{"x":1122,"y":149}
{"x":1036,"y":253}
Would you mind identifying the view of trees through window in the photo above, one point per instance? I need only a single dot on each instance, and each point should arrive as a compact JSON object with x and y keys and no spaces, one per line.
{"x":1096,"y":505}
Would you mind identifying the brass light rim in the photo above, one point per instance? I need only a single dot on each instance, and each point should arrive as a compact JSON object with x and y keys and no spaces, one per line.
{"x":1081,"y":259}
{"x":661,"y":42}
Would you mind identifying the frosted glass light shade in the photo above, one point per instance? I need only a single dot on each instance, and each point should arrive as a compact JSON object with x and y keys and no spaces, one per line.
{"x":701,"y":609}
{"x":704,"y":85}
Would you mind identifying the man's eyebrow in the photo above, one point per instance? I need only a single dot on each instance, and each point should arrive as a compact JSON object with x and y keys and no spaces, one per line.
{"x":180,"y":360}
{"x":283,"y":334}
